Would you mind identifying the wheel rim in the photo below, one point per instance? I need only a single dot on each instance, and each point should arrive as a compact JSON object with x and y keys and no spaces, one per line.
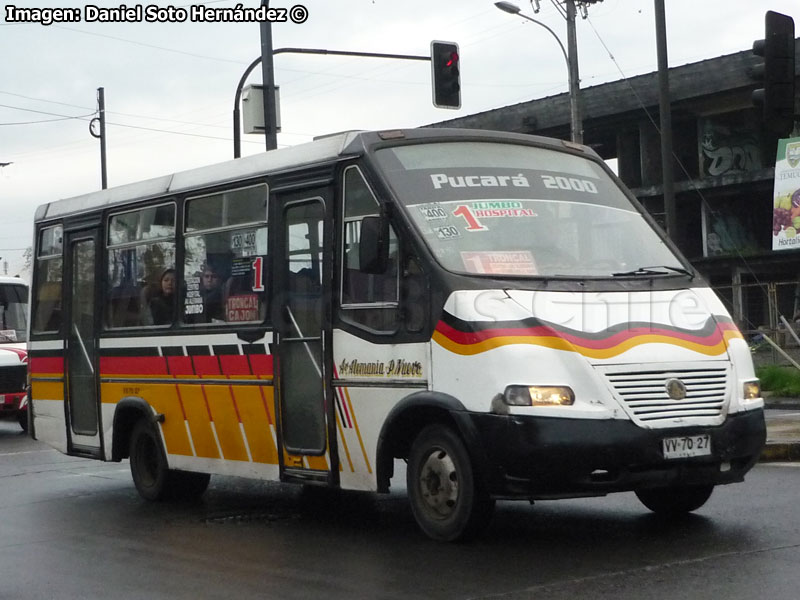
{"x":438,"y":483}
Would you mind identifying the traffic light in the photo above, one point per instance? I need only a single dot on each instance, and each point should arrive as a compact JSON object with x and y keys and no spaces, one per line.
{"x":445,"y":70}
{"x":776,"y":98}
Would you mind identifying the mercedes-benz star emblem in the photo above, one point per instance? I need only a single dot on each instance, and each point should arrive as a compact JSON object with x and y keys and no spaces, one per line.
{"x":675,"y":389}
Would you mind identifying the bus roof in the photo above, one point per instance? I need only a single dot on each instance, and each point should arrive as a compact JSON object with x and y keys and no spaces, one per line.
{"x":321,"y":150}
{"x":324,"y":149}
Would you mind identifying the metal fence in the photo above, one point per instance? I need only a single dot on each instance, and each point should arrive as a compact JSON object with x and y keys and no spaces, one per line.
{"x":761,"y":308}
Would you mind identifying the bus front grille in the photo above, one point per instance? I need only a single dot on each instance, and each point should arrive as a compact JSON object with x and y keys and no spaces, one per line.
{"x":644,"y":393}
{"x":13,"y":379}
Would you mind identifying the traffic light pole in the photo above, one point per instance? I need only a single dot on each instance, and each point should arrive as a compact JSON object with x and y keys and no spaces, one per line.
{"x":268,"y":78}
{"x":237,"y":133}
{"x":268,"y":73}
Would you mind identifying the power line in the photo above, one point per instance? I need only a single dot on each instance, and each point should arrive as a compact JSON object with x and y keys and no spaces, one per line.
{"x":212,"y":137}
{"x":37,"y":122}
{"x":42,"y":112}
{"x":111,"y":112}
{"x":703,"y":200}
{"x":43,"y":100}
{"x":153,"y":46}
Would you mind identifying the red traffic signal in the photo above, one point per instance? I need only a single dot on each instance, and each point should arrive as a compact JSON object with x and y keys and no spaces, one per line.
{"x":446,"y":75}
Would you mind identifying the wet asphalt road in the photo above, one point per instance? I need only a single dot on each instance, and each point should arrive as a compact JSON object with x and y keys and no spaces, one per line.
{"x":73,"y":528}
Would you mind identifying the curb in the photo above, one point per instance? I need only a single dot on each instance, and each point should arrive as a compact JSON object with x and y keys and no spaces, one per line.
{"x":781,"y":452}
{"x":785,"y":405}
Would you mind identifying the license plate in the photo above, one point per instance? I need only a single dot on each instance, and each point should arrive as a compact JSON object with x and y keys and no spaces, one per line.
{"x":686,"y":446}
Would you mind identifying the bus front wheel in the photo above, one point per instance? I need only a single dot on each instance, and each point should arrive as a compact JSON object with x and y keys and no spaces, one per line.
{"x":676,"y":500}
{"x":151,"y":474}
{"x":447,"y":500}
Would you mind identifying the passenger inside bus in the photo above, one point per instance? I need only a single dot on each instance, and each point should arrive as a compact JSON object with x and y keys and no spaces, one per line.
{"x":162,"y":303}
{"x":124,"y":305}
{"x":211,"y":292}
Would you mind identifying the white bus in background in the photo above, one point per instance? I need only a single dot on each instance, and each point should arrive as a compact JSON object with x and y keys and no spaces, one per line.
{"x":13,"y":349}
{"x":495,"y":309}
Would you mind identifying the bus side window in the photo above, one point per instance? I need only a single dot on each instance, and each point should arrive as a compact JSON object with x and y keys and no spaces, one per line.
{"x":48,"y":298}
{"x":368,"y":299}
{"x":141,"y":245}
{"x":123,"y":305}
{"x":225,"y":256}
{"x":50,"y":273}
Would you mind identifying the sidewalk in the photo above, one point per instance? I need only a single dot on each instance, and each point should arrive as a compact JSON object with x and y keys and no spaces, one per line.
{"x":783,"y":430}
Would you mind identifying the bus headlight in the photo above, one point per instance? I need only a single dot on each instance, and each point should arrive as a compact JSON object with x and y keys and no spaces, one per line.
{"x":752,"y":390}
{"x":538,"y":395}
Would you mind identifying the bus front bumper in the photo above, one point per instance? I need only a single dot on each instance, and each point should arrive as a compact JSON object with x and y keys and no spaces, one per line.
{"x":539,"y":457}
{"x":10,"y":403}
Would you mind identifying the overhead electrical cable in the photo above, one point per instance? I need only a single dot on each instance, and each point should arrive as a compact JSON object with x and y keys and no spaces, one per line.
{"x":704,"y":201}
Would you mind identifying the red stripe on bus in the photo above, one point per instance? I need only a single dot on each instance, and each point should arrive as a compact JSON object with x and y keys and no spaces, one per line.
{"x":206,"y":365}
{"x":133,"y":365}
{"x":233,"y":364}
{"x":261,"y":363}
{"x":180,"y":365}
{"x":53,"y":364}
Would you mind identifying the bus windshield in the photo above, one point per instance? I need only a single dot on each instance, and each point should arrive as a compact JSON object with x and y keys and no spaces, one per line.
{"x":13,"y":308}
{"x":512,"y":210}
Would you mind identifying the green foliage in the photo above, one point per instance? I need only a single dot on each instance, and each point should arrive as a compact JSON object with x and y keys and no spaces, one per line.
{"x":781,"y":381}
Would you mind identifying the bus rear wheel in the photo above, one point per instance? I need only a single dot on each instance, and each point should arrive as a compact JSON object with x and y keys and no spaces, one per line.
{"x":153,"y":478}
{"x":448,"y":501}
{"x":675,"y":500}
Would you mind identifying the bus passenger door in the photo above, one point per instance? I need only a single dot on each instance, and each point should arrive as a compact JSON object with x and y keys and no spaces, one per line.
{"x":301,"y":311}
{"x":83,"y":409}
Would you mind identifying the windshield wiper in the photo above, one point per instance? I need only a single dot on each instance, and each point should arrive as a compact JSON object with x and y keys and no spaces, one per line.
{"x":644,"y":271}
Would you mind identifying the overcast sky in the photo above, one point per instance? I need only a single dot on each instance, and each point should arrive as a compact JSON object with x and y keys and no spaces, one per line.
{"x":169,"y":87}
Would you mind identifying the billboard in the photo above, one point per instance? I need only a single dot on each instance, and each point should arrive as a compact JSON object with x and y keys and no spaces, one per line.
{"x":786,"y":196}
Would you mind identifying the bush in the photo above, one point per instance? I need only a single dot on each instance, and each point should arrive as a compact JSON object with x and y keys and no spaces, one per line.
{"x":781,"y":381}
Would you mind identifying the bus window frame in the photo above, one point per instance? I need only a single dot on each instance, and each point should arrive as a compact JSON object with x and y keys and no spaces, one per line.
{"x":182,"y":234}
{"x":345,"y":307}
{"x":35,"y":280}
{"x":106,"y":246}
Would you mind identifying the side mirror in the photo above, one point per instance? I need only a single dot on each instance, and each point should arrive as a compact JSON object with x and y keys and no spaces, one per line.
{"x":373,"y":246}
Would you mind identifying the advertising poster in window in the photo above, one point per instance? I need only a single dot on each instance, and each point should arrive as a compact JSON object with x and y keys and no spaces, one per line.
{"x":786,"y":196}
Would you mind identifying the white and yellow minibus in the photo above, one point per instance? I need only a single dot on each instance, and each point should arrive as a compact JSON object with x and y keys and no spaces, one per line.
{"x":494,"y":309}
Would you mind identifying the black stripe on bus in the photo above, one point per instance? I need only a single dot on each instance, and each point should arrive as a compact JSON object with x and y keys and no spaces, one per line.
{"x":198,"y":351}
{"x":172,"y":351}
{"x":254,"y":349}
{"x":122,"y":352}
{"x":46,"y":353}
{"x":226,"y":349}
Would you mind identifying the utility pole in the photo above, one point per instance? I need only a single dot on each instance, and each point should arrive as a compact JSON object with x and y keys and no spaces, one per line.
{"x":576,"y":119}
{"x":668,"y":184}
{"x":101,"y":135}
{"x":570,"y":56}
{"x":237,"y":150}
{"x":268,"y":79}
{"x":101,"y":104}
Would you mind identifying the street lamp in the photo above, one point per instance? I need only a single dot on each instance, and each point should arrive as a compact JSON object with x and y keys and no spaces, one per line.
{"x":576,"y":126}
